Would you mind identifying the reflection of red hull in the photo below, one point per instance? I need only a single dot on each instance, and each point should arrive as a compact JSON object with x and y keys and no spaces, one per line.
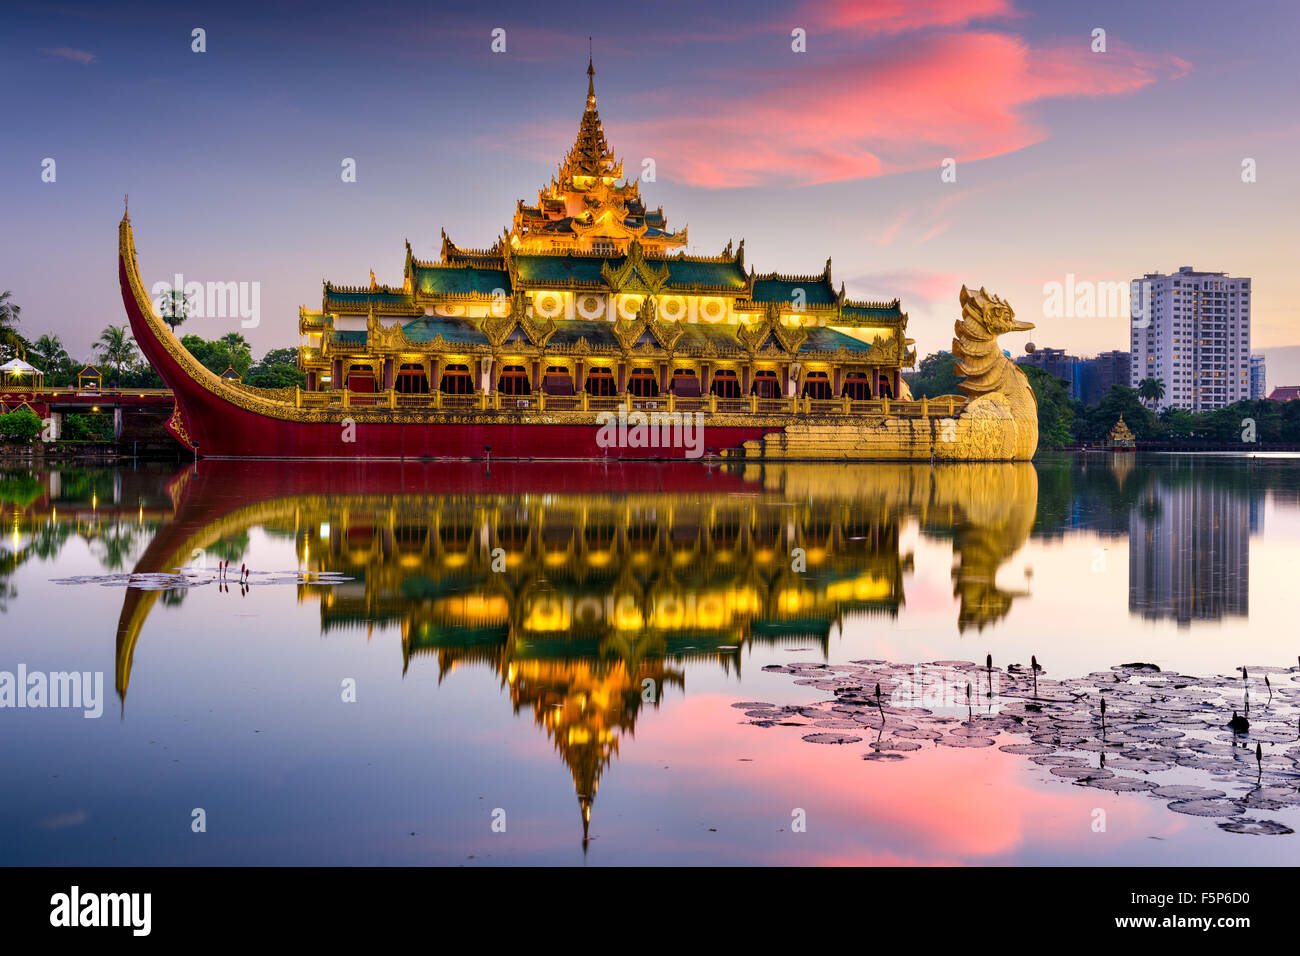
{"x":213,"y":426}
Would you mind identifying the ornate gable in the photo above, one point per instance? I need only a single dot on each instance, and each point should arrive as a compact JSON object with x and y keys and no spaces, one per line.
{"x":499,"y":328}
{"x":788,"y":337}
{"x":635,"y":274}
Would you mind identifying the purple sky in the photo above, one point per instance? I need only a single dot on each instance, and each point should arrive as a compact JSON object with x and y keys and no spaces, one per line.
{"x":1100,"y":165}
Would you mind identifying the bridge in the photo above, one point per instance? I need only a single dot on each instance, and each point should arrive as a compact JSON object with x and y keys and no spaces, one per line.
{"x":139,"y":414}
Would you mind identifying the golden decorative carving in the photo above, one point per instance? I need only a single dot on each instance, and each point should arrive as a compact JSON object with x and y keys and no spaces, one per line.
{"x":635,"y":274}
{"x":790,"y":337}
{"x":176,"y":425}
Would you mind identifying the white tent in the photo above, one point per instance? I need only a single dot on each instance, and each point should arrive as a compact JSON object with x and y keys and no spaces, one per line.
{"x":18,"y":372}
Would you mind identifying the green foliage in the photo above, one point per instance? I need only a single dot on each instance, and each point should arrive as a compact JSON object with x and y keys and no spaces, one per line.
{"x":933,"y":377}
{"x":49,"y":355}
{"x":20,"y":489}
{"x":1094,"y":422}
{"x":175,"y":307}
{"x":277,"y":369}
{"x":92,"y":426}
{"x":1273,"y":421}
{"x":21,"y":427}
{"x":1177,"y":424}
{"x":1055,"y":408}
{"x":10,"y":340}
{"x":1151,"y":389}
{"x":221,"y":354}
{"x":116,"y":349}
{"x":141,"y":376}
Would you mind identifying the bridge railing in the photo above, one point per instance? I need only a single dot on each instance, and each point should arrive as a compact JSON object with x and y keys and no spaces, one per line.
{"x":67,"y":391}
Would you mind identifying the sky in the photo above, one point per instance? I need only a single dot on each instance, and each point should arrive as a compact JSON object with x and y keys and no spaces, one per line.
{"x":1098,"y":165}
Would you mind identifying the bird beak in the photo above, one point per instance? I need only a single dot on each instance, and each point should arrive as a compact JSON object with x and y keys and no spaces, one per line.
{"x":1018,"y":326}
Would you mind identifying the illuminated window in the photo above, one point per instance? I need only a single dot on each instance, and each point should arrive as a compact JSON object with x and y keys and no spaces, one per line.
{"x":360,"y":378}
{"x":816,"y":385}
{"x":766,"y":384}
{"x":456,"y":381}
{"x":557,"y":381}
{"x":600,"y":382}
{"x":513,"y":381}
{"x":411,"y":380}
{"x":725,"y":384}
{"x":686,"y":383}
{"x":857,"y":386}
{"x":642,"y":383}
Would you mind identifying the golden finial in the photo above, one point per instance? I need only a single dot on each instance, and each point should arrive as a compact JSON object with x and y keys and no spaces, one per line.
{"x":126,"y":206}
{"x":591,"y":78}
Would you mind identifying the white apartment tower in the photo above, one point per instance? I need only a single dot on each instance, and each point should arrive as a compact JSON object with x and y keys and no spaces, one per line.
{"x":1192,"y":331}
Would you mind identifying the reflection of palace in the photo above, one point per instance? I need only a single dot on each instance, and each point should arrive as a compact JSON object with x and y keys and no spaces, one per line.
{"x":1189,"y":553}
{"x":584,"y":604}
{"x":586,"y":589}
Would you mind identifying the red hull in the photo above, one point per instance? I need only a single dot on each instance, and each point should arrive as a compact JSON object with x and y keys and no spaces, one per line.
{"x":214,"y":427}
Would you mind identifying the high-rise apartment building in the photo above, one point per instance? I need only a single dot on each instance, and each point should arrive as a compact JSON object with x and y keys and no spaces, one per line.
{"x":1191,"y":330}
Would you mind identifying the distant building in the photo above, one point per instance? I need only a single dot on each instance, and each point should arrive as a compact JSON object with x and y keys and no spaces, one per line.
{"x":1189,"y":554}
{"x":1191,"y":330}
{"x":1097,"y":375}
{"x":1285,"y":393}
{"x":1088,"y":380}
{"x":1257,"y":377}
{"x":1055,"y":362}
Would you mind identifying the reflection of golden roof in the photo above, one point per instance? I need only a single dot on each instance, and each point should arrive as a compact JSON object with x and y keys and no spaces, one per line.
{"x":577,"y":599}
{"x":586,"y":707}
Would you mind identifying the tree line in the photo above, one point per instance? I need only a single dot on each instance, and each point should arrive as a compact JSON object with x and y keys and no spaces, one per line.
{"x":1065,"y":422}
{"x":116,"y":355}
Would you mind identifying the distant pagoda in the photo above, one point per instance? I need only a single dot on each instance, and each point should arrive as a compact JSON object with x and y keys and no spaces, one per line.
{"x":1120,"y":438}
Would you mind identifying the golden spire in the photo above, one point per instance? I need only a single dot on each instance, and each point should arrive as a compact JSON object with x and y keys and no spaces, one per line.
{"x":591,"y":78}
{"x":590,"y":155}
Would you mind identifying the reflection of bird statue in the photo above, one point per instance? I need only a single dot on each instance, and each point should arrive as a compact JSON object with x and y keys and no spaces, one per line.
{"x":999,"y":389}
{"x":993,"y":510}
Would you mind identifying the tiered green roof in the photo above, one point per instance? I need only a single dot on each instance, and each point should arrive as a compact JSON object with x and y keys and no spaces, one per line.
{"x":614,"y":245}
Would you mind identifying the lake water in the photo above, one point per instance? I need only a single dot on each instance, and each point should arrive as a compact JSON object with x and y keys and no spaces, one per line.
{"x":452,"y":663}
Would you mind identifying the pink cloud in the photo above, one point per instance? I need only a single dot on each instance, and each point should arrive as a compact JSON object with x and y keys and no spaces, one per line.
{"x":68,"y":53}
{"x":913,"y":286}
{"x":898,"y":16}
{"x":940,"y":806}
{"x":891,"y":231}
{"x":959,"y":95}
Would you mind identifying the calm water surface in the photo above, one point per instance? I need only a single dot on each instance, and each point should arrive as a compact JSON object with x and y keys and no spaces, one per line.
{"x":558,"y":648}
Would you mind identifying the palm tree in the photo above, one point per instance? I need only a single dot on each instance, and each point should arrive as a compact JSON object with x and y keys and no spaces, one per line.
{"x":236,"y":342}
{"x":236,"y":351}
{"x":50,"y":349}
{"x":174,"y":308}
{"x":115,"y":348}
{"x":9,"y":322}
{"x":1151,"y":389}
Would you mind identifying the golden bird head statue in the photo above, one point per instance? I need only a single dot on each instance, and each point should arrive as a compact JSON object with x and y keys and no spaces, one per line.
{"x":992,"y":313}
